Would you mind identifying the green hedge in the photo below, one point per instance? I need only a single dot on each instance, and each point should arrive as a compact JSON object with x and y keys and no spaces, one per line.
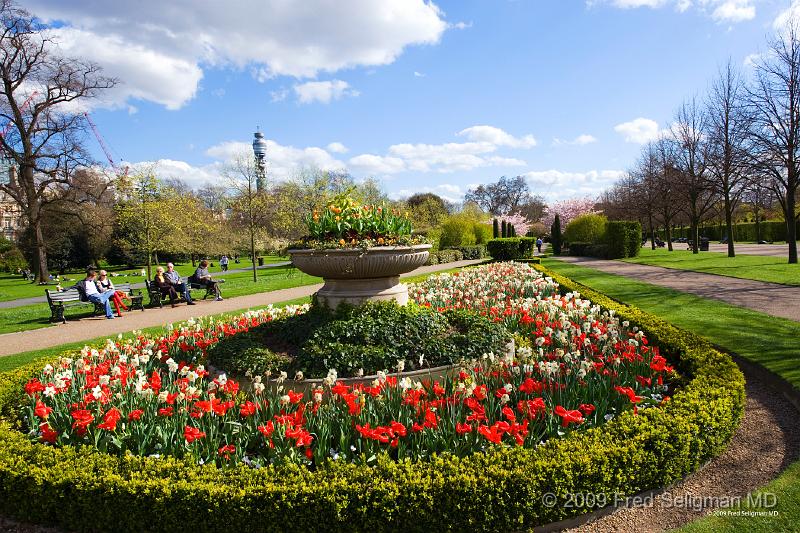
{"x":588,"y":249}
{"x":81,"y":489}
{"x":444,"y":256}
{"x":771,"y":230}
{"x":504,"y":249}
{"x":476,"y":251}
{"x":511,"y":248}
{"x":624,"y":239}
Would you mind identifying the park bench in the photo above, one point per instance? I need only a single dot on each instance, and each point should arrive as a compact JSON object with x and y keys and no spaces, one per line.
{"x":60,"y":300}
{"x":157,"y":298}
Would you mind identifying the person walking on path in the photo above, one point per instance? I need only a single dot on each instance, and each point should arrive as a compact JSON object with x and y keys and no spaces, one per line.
{"x":539,"y":244}
{"x":223,"y":262}
{"x":165,"y":286}
{"x":203,"y":277}
{"x":89,"y":288}
{"x":177,"y":283}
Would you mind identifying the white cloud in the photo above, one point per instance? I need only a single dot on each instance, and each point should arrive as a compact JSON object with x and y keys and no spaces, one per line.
{"x":337,"y":148}
{"x":418,"y":74}
{"x":279,"y":95}
{"x":728,"y":11}
{"x":159,"y":50}
{"x":145,"y":73}
{"x":478,"y":152}
{"x":559,"y":185}
{"x":377,"y":164}
{"x":640,"y":130}
{"x":323,"y":91}
{"x":461,"y":25}
{"x":734,"y":11}
{"x":497,"y":137}
{"x":788,"y":16}
{"x":580,"y":140}
{"x":282,"y":161}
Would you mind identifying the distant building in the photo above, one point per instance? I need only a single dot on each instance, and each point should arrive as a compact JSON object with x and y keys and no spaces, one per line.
{"x":10,"y":212}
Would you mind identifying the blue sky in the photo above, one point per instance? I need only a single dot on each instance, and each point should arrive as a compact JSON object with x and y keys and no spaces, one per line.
{"x":425,"y":97}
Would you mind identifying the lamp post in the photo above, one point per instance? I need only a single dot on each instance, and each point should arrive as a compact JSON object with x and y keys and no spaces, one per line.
{"x":260,"y":151}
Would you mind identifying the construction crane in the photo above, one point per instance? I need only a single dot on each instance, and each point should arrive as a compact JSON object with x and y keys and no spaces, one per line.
{"x":103,"y":145}
{"x":22,"y":108}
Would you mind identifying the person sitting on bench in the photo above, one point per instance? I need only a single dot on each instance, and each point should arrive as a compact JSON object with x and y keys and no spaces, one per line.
{"x":203,"y":277}
{"x":165,"y":286}
{"x":177,"y":283}
{"x":104,"y":285}
{"x":89,"y":288}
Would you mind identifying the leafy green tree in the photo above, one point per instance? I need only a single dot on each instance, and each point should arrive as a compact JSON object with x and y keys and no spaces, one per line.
{"x":495,"y":229}
{"x":146,"y":217}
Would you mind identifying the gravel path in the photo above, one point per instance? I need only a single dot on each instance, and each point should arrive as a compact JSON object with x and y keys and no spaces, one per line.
{"x":767,"y":441}
{"x":770,"y":298}
{"x":93,"y":327}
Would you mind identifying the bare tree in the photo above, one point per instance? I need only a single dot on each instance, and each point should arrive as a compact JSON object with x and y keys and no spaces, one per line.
{"x":505,"y":197}
{"x":646,"y":174}
{"x":774,"y":101}
{"x":44,"y":140}
{"x":249,"y":205}
{"x":728,"y":125}
{"x":691,"y":159}
{"x":214,"y":197}
{"x":666,"y":186}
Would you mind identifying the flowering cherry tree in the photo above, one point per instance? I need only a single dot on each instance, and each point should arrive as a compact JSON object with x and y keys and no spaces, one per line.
{"x":569,"y":209}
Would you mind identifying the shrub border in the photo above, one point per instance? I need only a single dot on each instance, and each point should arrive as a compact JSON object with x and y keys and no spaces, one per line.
{"x":82,"y":489}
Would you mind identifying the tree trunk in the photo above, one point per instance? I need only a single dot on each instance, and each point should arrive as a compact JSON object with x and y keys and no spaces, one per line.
{"x":668,"y":235}
{"x":758,"y":224}
{"x":695,"y":230}
{"x":729,"y":224}
{"x":149,"y":264}
{"x":652,"y":232}
{"x":41,"y":252}
{"x":791,"y":225}
{"x":193,"y":260}
{"x":253,"y":254}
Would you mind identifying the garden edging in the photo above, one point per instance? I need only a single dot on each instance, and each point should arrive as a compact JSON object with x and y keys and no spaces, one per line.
{"x":501,"y":489}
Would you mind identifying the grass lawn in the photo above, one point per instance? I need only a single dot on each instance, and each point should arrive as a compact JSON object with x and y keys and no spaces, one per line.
{"x":756,"y":267}
{"x":772,"y":342}
{"x":13,"y":287}
{"x":236,"y":284}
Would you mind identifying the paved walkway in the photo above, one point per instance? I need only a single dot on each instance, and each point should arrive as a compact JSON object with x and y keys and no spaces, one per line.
{"x":19,"y":302}
{"x":90,"y":328}
{"x":770,"y":298}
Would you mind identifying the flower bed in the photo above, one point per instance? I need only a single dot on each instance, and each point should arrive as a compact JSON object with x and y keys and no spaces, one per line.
{"x":498,"y":489}
{"x":377,"y":336}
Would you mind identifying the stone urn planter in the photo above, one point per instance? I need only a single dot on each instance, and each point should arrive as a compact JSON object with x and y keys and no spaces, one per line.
{"x":356,"y":275}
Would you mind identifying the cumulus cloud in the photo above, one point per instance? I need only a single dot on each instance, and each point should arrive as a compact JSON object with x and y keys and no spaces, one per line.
{"x":791,"y":15}
{"x":580,"y":140}
{"x":728,"y":11}
{"x":323,"y":91}
{"x":159,"y":50}
{"x":477,"y":152}
{"x":558,"y":185}
{"x":640,"y":130}
{"x":337,"y":148}
{"x":496,"y":137}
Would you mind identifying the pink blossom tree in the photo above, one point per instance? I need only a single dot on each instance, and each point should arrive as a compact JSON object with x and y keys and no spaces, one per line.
{"x":520,"y":223}
{"x":569,"y":209}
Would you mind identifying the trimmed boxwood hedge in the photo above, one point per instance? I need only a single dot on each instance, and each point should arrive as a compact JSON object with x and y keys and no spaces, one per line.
{"x":82,"y":489}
